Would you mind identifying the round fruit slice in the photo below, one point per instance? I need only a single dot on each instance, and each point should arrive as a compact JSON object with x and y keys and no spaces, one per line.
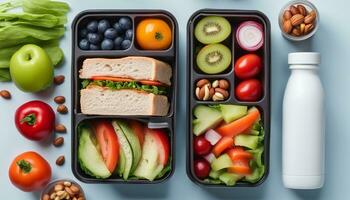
{"x":214,"y":58}
{"x":212,"y":29}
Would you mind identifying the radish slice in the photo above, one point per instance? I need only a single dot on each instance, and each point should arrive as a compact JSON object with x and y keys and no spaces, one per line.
{"x":250,"y":35}
{"x":210,"y":157}
{"x":212,"y":136}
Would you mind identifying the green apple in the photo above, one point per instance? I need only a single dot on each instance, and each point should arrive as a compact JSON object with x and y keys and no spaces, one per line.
{"x":31,"y":68}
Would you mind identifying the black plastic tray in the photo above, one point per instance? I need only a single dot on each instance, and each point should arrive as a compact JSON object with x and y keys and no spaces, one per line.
{"x":170,"y":56}
{"x":193,"y":74}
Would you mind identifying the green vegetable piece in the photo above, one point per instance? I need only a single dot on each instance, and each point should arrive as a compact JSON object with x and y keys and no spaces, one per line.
{"x":257,"y":154}
{"x":222,"y":162}
{"x":45,"y":7}
{"x":229,"y":179}
{"x":5,"y":75}
{"x":232,"y":112}
{"x":215,"y":174}
{"x":206,"y":118}
{"x":121,"y":163}
{"x":249,"y":141}
{"x":40,"y":20}
{"x":10,"y":5}
{"x":257,"y":174}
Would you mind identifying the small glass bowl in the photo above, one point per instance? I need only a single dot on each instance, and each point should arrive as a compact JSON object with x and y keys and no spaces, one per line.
{"x":50,"y":187}
{"x":309,"y":7}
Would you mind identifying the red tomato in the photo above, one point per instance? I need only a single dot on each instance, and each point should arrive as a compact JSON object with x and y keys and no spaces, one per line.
{"x":163,"y":144}
{"x":35,"y":120}
{"x":108,"y":142}
{"x":201,"y":168}
{"x":29,"y":172}
{"x":248,"y":66}
{"x":249,"y":90}
{"x":201,"y":146}
{"x":240,"y":166}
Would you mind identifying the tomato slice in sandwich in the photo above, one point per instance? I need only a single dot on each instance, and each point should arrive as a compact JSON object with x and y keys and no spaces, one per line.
{"x":108,"y":142}
{"x":138,"y":128}
{"x":117,"y":79}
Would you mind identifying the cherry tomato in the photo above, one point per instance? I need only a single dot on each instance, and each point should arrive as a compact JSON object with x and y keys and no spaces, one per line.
{"x":35,"y":120}
{"x":201,"y":168}
{"x":248,"y":66}
{"x":201,"y":146}
{"x":249,"y":90}
{"x":108,"y":142}
{"x":29,"y":171}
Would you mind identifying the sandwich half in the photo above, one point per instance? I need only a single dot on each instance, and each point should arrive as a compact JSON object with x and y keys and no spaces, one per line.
{"x":125,"y":86}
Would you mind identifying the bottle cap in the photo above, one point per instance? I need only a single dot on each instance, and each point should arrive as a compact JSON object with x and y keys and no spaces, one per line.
{"x":304,"y":58}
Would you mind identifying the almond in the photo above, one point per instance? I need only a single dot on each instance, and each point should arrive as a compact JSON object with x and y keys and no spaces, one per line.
{"x":60,"y":161}
{"x":287,"y":26}
{"x":224,"y":84}
{"x":62,"y":109}
{"x":58,"y":142}
{"x":200,"y":92}
{"x":211,"y":92}
{"x":310,"y":18}
{"x":287,"y":14}
{"x":5,"y":94}
{"x":294,"y":10}
{"x":302,"y":28}
{"x":297,"y":19}
{"x":202,"y":82}
{"x":60,"y":99}
{"x":302,"y":10}
{"x":308,"y":28}
{"x":58,"y":80}
{"x":222,"y":91}
{"x":60,"y":128}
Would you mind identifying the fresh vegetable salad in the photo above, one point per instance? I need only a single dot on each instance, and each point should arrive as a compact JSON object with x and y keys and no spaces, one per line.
{"x":229,"y":105}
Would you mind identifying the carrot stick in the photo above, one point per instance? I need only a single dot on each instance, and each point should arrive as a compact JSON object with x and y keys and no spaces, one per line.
{"x":240,"y":125}
{"x":223,"y":144}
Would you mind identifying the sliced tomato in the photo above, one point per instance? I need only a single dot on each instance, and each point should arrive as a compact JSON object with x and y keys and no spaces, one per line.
{"x":108,"y":142}
{"x":240,"y":166}
{"x":138,"y":128}
{"x":223,"y":144}
{"x":238,"y":153}
{"x":118,"y":79}
{"x":163,"y":144}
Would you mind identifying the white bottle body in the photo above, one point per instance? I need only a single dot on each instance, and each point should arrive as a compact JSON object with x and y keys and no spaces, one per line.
{"x":303,"y":149}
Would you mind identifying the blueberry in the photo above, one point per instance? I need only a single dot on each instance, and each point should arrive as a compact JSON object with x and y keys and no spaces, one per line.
{"x":110,"y":33}
{"x":84,"y":44}
{"x":128,"y":34}
{"x":92,"y":26}
{"x":125,"y":23}
{"x":83,"y":33}
{"x":103,"y":25}
{"x":107,"y":44}
{"x":94,"y":47}
{"x":118,"y":42}
{"x":118,"y":28}
{"x":126,"y":44}
{"x":94,"y":38}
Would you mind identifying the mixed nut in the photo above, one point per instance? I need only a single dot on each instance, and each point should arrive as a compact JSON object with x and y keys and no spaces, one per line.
{"x":298,"y":21}
{"x":215,"y":90}
{"x":64,"y":190}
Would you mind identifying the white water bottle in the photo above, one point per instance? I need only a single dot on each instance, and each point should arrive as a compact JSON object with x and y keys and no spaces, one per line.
{"x":303,"y":152}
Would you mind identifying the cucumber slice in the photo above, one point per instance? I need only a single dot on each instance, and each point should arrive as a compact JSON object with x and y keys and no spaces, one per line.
{"x":232,"y":112}
{"x":256,"y":175}
{"x":249,"y":141}
{"x":215,"y":174}
{"x":90,"y":159}
{"x":206,"y":118}
{"x":121,"y":163}
{"x":222,"y":162}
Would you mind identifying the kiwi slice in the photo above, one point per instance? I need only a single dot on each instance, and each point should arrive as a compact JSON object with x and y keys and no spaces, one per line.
{"x":212,"y":29}
{"x":214,"y":58}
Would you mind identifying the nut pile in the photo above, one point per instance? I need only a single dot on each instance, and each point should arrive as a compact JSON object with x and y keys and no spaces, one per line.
{"x":298,"y":21}
{"x":64,"y":190}
{"x":215,"y":90}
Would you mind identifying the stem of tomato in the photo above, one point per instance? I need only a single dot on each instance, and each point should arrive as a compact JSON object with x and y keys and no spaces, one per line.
{"x":158,"y":36}
{"x":29,"y":119}
{"x":25,"y":166}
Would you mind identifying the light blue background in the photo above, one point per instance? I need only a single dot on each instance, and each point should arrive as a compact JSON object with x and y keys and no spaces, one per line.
{"x":332,"y":40}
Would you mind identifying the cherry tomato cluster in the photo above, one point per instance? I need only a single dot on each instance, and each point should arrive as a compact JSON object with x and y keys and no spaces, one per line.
{"x":247,"y":69}
{"x":201,"y":147}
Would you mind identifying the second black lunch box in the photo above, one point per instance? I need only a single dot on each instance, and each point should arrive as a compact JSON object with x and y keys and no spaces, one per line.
{"x":194,"y":74}
{"x":169,"y":56}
